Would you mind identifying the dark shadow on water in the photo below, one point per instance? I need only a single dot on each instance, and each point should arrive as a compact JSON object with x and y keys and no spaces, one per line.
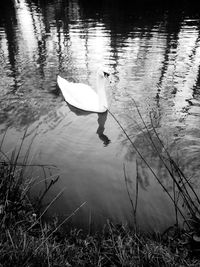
{"x":102,"y":117}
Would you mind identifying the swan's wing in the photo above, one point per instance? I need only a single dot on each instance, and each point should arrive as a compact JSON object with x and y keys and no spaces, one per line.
{"x":80,"y":95}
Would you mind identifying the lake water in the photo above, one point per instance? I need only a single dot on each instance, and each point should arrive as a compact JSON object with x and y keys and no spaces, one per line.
{"x":153,"y":53}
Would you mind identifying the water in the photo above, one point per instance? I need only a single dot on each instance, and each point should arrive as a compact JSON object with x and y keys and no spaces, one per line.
{"x":153,"y":53}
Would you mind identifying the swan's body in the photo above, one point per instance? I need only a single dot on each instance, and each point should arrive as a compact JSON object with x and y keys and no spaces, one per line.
{"x":82,"y":96}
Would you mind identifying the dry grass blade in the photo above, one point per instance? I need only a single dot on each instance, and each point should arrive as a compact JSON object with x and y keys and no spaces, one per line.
{"x":62,"y":223}
{"x":20,"y":148}
{"x":137,"y":188}
{"x":38,"y":219}
{"x":129,"y":195}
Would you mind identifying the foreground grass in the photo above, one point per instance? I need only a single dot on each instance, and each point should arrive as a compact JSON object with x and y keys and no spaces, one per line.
{"x":27,"y":241}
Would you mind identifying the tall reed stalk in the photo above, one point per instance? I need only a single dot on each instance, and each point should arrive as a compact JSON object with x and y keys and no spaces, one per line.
{"x":182,"y":188}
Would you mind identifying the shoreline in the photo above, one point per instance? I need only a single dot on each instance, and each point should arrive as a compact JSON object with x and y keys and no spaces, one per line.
{"x":26,"y":240}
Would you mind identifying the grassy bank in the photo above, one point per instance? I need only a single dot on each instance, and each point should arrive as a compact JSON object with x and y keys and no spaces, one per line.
{"x":25,"y":240}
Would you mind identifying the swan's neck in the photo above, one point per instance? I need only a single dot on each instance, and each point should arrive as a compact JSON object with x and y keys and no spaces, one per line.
{"x":101,"y":91}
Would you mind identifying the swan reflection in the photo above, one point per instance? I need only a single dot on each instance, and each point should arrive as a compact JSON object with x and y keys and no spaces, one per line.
{"x":102,"y":117}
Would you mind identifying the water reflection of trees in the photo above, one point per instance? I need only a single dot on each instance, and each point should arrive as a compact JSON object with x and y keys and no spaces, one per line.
{"x":10,"y":22}
{"x":63,"y":39}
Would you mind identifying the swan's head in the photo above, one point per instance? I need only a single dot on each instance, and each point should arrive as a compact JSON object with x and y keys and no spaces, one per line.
{"x":103,"y":73}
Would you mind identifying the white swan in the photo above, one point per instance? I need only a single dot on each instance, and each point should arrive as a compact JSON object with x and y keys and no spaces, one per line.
{"x":82,"y":96}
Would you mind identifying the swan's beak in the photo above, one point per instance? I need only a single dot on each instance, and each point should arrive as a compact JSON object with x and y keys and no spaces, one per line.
{"x":106,"y":74}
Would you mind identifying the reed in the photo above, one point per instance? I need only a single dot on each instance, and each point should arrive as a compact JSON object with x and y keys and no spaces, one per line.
{"x":183,"y":193}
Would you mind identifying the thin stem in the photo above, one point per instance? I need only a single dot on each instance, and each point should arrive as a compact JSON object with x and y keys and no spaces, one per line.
{"x":147,"y":164}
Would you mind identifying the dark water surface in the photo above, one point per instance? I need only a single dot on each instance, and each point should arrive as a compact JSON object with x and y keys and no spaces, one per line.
{"x":153,"y":52}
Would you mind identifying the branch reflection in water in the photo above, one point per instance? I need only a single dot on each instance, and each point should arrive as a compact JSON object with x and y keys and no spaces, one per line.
{"x":102,"y":117}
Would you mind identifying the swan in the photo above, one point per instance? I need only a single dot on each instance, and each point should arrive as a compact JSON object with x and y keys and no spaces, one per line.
{"x":83,"y":96}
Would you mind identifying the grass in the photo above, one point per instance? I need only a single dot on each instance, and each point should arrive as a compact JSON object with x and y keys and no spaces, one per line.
{"x":27,"y":240}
